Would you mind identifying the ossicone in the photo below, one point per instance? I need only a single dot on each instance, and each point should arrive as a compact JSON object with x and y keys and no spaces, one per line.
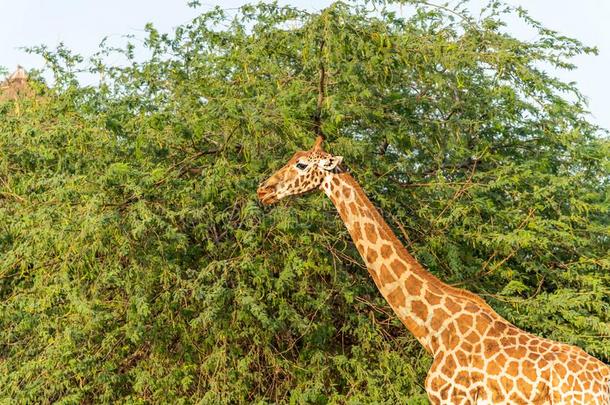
{"x":317,"y":146}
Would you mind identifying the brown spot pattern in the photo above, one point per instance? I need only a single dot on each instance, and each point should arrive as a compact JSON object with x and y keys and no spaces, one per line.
{"x":371,"y":232}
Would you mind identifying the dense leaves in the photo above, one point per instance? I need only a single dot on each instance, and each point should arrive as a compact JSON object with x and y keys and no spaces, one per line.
{"x":137,"y":266}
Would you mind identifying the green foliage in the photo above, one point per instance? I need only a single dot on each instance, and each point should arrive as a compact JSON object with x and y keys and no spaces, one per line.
{"x":136,"y":264}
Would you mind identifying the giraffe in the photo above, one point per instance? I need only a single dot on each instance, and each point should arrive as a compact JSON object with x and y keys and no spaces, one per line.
{"x":478,"y":356}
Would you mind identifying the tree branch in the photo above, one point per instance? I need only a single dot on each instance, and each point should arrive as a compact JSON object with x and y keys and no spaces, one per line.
{"x":317,"y":118}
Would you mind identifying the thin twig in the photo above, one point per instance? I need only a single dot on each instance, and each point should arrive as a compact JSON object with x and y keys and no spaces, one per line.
{"x":317,"y":118}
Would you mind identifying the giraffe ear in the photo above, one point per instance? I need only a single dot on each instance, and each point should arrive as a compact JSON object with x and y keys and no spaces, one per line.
{"x":330,"y":163}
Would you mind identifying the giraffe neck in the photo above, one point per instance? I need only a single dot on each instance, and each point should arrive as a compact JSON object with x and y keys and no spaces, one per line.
{"x":423,"y":303}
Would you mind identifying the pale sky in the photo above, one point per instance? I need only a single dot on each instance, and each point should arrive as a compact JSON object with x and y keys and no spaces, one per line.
{"x":82,"y":24}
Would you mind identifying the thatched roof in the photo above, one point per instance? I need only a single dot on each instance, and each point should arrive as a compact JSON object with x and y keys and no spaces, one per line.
{"x":18,"y":75}
{"x":15,"y":85}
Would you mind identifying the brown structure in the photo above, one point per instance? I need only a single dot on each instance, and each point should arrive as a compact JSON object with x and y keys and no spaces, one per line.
{"x":479,"y":357}
{"x":15,"y":85}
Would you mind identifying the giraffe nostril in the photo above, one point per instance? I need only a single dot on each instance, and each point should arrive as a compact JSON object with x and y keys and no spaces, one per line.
{"x":266,"y":188}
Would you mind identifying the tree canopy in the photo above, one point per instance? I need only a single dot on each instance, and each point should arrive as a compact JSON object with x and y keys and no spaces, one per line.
{"x":137,"y":266}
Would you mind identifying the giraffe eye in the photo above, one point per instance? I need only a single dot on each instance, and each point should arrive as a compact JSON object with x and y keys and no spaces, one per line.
{"x":301,"y":166}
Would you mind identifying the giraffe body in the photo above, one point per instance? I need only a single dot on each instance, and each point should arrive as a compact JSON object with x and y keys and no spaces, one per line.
{"x":479,"y":357}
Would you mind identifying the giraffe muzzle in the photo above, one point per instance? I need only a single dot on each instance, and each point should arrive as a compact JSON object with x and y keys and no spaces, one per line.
{"x":266,"y":194}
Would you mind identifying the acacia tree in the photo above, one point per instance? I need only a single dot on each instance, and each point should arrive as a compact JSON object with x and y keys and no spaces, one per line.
{"x":137,"y":266}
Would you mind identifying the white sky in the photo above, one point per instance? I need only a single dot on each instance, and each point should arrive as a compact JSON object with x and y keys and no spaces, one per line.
{"x":82,"y":24}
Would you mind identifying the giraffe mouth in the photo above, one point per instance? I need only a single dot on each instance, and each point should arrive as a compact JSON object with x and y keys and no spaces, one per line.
{"x":266,"y":195}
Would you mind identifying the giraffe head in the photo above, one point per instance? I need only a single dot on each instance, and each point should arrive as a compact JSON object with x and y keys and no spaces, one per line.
{"x":303,"y":172}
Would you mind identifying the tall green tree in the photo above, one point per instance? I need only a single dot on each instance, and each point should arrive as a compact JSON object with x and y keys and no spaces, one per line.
{"x":137,"y":266}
